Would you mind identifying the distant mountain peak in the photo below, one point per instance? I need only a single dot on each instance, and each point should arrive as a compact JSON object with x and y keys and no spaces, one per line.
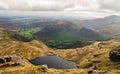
{"x":112,"y":16}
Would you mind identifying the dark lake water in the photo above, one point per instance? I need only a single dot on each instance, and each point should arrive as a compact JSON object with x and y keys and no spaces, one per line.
{"x":54,"y":62}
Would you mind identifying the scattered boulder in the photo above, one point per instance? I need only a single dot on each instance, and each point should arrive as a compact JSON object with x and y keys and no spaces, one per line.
{"x":95,"y":67}
{"x":90,"y":72}
{"x":114,"y":54}
{"x":16,"y":64}
{"x":2,"y":61}
{"x":8,"y":59}
{"x":44,"y":68}
{"x":15,"y":59}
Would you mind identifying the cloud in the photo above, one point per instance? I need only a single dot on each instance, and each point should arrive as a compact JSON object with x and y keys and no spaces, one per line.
{"x":48,"y":5}
{"x":34,"y":5}
{"x":90,"y":7}
{"x":113,"y":5}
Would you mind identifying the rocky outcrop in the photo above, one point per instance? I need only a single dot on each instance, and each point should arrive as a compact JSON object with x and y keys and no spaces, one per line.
{"x":12,"y":60}
{"x":115,"y":54}
{"x":2,"y":61}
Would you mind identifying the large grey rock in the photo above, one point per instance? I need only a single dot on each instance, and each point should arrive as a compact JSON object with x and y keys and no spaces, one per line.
{"x":44,"y":68}
{"x":2,"y":61}
{"x":12,"y":58}
{"x":8,"y":59}
{"x":114,"y":54}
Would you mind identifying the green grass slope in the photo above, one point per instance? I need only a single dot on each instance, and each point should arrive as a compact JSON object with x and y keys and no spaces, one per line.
{"x":12,"y":43}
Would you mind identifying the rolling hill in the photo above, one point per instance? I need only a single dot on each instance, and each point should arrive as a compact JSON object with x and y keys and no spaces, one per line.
{"x":11,"y":43}
{"x":97,"y":54}
{"x":68,"y":30}
{"x":108,"y":26}
{"x":101,"y":55}
{"x":65,"y":32}
{"x":6,"y":25}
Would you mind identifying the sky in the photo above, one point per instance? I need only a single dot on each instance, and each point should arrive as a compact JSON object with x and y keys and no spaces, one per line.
{"x":87,"y":8}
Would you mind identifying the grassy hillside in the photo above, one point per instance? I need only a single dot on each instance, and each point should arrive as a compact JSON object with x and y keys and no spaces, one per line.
{"x":96,"y":54}
{"x":11,"y":43}
{"x":36,"y":70}
{"x":60,"y":33}
{"x":86,"y":58}
{"x":28,"y":32}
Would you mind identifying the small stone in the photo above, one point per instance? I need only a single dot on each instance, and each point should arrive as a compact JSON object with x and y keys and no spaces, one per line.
{"x":44,"y":68}
{"x":90,"y":72}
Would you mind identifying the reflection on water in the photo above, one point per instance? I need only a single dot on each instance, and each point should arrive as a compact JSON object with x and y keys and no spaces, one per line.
{"x":54,"y":62}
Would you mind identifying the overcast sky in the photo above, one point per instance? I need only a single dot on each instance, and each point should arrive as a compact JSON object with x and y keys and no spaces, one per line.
{"x":93,"y":8}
